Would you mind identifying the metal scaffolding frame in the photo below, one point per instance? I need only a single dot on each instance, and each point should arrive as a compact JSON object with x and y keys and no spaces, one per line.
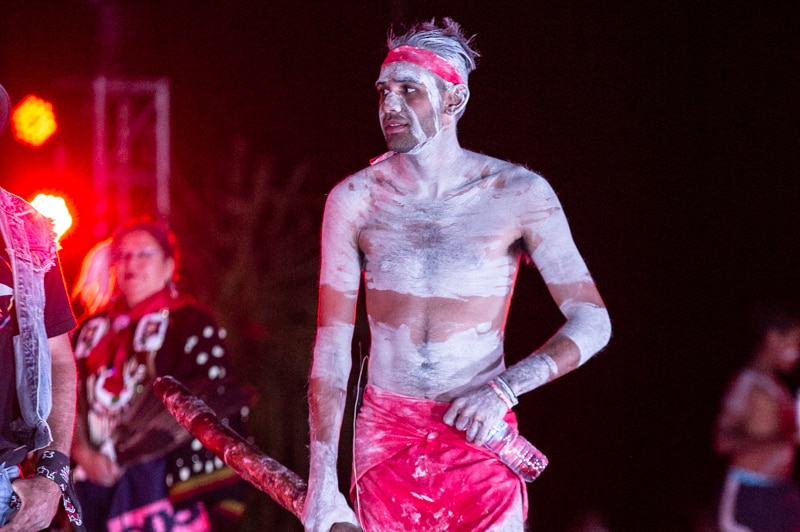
{"x":131,"y":147}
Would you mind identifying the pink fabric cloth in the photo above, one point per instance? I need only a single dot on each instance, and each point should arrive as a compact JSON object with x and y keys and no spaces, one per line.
{"x":413,"y":472}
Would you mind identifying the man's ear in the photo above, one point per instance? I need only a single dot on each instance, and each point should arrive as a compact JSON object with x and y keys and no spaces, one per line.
{"x":456,"y":100}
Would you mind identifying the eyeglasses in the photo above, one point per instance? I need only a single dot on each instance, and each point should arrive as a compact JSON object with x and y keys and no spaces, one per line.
{"x":138,"y":254}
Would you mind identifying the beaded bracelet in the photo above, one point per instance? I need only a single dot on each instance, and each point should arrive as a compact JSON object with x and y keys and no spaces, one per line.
{"x":507,"y":388}
{"x":503,"y":391}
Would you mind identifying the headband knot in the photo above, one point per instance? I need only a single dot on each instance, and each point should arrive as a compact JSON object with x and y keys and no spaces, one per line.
{"x":426,"y":59}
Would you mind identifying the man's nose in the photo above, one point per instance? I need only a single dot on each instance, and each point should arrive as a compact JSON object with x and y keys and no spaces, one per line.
{"x":392,"y":102}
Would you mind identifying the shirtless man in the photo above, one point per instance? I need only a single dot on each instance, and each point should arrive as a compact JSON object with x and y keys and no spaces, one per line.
{"x":438,"y":233}
{"x":757,"y":430}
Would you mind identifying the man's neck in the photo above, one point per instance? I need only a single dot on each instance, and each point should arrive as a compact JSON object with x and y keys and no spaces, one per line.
{"x":433,"y":169}
{"x":765,"y":363}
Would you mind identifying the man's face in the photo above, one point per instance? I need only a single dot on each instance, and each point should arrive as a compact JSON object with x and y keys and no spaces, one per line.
{"x":409,"y":107}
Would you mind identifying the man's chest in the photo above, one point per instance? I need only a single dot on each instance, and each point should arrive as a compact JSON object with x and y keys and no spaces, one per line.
{"x":445,"y":248}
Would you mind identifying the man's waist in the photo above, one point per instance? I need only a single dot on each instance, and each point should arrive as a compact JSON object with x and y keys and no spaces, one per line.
{"x":399,"y":406}
{"x":435,"y":371}
{"x":777,"y":465}
{"x":411,"y":396}
{"x":755,"y":478}
{"x":443,"y":392}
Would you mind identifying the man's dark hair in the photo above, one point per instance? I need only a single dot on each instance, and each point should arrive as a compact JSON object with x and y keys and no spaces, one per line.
{"x":772,"y":314}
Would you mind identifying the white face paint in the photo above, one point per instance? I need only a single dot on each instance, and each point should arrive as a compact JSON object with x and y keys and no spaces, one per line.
{"x":410,"y":106}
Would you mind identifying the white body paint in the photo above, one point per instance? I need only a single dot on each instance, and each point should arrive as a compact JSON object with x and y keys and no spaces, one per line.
{"x":440,"y":272}
{"x":427,"y":366}
{"x":588,"y":327}
{"x":438,"y":233}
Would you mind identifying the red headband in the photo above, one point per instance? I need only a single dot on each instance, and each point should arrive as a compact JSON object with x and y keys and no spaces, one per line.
{"x":426,"y":59}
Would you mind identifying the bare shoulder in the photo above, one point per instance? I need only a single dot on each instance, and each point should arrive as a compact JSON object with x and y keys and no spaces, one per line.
{"x":352,"y":197}
{"x":364,"y":180}
{"x":507,"y":175}
{"x":749,"y":383}
{"x":353,"y":188}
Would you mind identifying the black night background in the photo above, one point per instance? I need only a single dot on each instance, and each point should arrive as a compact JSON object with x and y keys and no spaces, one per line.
{"x":668,"y":129}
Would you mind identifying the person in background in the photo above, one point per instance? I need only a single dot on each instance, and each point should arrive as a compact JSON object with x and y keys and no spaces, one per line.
{"x":757,"y":429}
{"x":135,"y":463}
{"x":437,"y":233}
{"x":37,"y":368}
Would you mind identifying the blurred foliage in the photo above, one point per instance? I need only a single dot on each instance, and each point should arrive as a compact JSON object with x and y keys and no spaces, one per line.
{"x":250,"y":240}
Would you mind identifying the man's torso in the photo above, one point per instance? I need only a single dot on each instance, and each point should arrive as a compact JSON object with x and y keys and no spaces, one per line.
{"x":768,"y":412}
{"x":439,"y":276}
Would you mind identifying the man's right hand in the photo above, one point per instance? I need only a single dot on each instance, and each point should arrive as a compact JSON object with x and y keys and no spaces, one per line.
{"x":39,"y":497}
{"x":476,"y":412}
{"x":329,"y":515}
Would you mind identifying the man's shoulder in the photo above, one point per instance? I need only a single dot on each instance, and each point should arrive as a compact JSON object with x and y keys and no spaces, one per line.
{"x":749,"y":379}
{"x":359,"y":181}
{"x":36,"y":223}
{"x":496,"y":165}
{"x":14,"y":204}
{"x":510,"y":176}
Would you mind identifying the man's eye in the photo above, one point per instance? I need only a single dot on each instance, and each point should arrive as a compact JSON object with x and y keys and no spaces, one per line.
{"x":410,"y":89}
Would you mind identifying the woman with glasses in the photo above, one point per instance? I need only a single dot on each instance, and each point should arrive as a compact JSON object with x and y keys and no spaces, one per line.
{"x":136,"y":467}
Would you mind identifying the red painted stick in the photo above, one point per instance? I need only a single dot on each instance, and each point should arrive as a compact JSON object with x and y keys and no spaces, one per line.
{"x":265,"y":473}
{"x":285,"y":486}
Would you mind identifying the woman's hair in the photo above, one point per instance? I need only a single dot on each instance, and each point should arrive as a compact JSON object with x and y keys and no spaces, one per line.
{"x":160,"y":232}
{"x":95,"y":285}
{"x":446,"y":40}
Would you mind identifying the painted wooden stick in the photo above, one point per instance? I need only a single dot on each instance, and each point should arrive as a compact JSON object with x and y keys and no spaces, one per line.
{"x":285,"y":486}
{"x":265,"y":473}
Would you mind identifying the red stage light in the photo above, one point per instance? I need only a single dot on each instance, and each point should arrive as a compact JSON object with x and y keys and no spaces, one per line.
{"x":33,"y":121}
{"x":55,"y":208}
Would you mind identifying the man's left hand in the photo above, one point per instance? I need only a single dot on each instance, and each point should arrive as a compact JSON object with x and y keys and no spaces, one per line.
{"x":476,"y":412}
{"x":40,"y":498}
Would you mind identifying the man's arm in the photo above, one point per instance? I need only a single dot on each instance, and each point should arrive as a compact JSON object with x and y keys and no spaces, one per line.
{"x":586,"y":331}
{"x":62,"y":415}
{"x":339,"y":281}
{"x":587,"y":328}
{"x":40,"y":496}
